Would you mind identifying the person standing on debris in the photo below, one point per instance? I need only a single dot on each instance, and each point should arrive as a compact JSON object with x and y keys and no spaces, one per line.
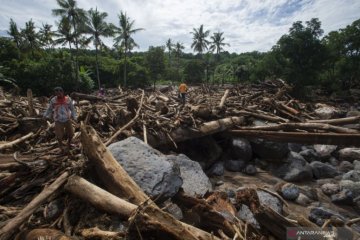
{"x":183,"y":90}
{"x":62,"y":110}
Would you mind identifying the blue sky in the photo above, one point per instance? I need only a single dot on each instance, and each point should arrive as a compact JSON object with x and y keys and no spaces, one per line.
{"x":248,"y":25}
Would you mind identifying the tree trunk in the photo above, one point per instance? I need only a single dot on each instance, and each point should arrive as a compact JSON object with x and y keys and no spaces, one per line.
{"x":125,"y":68}
{"x":97,"y":66}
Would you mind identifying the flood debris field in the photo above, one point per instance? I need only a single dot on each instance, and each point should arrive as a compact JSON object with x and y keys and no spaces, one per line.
{"x":234,"y":162}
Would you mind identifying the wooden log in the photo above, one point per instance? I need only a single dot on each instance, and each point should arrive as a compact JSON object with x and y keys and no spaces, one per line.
{"x":95,"y":232}
{"x":338,"y":121}
{"x":223,"y":99}
{"x":81,"y":96}
{"x":301,"y":137}
{"x":98,"y":197}
{"x":14,"y":224}
{"x":183,"y":134}
{"x":15,"y":142}
{"x":304,"y":126}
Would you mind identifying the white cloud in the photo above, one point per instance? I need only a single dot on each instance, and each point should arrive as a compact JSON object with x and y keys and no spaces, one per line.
{"x":247,"y":24}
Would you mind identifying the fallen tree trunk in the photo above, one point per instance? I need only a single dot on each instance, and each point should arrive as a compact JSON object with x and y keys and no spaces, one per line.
{"x":95,"y":232}
{"x":223,"y":99}
{"x":301,"y":137}
{"x":81,"y":96}
{"x":305,"y":126}
{"x":338,"y":121}
{"x":183,"y":134}
{"x":17,"y":141}
{"x":13,"y":224}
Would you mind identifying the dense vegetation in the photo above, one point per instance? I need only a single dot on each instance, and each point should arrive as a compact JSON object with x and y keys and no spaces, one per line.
{"x":41,"y":58}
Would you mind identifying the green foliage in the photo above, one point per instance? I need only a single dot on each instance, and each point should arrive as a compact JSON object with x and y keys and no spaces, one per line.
{"x":86,"y":83}
{"x":194,"y":71}
{"x":155,"y":60}
{"x":138,"y":76}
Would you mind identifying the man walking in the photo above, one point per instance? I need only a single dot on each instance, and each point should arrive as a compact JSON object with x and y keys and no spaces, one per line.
{"x":183,"y":90}
{"x":62,"y":110}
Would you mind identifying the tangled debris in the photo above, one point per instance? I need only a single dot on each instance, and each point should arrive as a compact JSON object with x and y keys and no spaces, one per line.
{"x":46,"y":193}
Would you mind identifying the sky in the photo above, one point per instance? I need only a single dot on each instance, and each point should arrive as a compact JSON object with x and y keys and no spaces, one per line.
{"x":248,"y":25}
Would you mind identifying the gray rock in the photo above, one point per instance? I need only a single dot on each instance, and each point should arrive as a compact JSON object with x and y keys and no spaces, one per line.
{"x":290,"y":191}
{"x":324,"y":151}
{"x":174,"y":210}
{"x":217,"y":169}
{"x":303,"y":200}
{"x":269,"y":150}
{"x":240,"y":148}
{"x":250,"y":170}
{"x":234,"y":165}
{"x":245,"y":214}
{"x":310,"y":192}
{"x":318,"y":215}
{"x":353,"y":175}
{"x":354,"y":187}
{"x":149,"y":168}
{"x":344,"y":197}
{"x":295,"y":169}
{"x":349,"y":154}
{"x":323,"y":170}
{"x":195,"y":181}
{"x":294,"y":147}
{"x":330,"y":188}
{"x":345,"y":166}
{"x":310,"y":155}
{"x":333,"y":161}
{"x":356,"y":165}
{"x":231,"y":193}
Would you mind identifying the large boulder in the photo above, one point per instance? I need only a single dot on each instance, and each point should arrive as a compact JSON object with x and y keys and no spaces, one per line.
{"x":349,"y":154}
{"x":294,"y":169}
{"x":269,"y":150}
{"x":236,"y":165}
{"x":310,"y":155}
{"x":149,"y":168}
{"x":323,"y":170}
{"x":195,"y":181}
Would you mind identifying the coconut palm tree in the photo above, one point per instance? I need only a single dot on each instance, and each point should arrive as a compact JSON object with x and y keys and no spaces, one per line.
{"x":217,"y":43}
{"x":64,"y":34}
{"x":97,"y":28}
{"x":46,"y":35}
{"x":178,"y":51}
{"x":76,"y":16}
{"x":31,"y":37}
{"x":14,"y":33}
{"x":200,"y":43}
{"x":124,"y":39}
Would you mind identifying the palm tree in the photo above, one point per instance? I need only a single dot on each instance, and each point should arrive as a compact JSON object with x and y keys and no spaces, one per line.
{"x":64,"y":34}
{"x":97,"y":27}
{"x":14,"y":33}
{"x":31,"y":37}
{"x":200,"y":43}
{"x":217,"y":43}
{"x":169,"y":46}
{"x":46,"y":35}
{"x":76,"y":16}
{"x":124,"y":39}
{"x":178,"y":51}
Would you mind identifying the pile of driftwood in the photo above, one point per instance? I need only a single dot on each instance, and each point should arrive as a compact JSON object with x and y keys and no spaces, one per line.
{"x":85,"y":192}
